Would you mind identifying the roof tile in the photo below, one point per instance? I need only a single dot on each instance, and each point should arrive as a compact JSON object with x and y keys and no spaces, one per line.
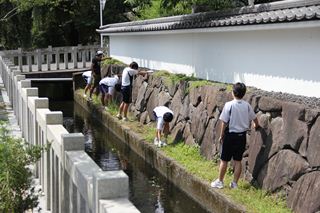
{"x":260,"y":14}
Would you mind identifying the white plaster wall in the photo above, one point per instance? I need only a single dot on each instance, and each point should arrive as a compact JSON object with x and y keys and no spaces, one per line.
{"x":285,"y":60}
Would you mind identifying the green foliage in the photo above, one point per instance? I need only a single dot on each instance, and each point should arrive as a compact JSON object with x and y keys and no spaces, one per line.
{"x":16,"y":191}
{"x":112,"y":61}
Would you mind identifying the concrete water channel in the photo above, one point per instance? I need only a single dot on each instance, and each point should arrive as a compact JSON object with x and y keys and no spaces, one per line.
{"x":149,"y":191}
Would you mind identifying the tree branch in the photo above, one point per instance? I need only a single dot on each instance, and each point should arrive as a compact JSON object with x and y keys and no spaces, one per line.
{"x":9,"y":14}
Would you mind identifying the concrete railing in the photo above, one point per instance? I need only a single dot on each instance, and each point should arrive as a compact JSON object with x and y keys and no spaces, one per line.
{"x":52,"y":58}
{"x":70,"y":179}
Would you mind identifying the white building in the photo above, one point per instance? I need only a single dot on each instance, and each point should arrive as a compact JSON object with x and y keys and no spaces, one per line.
{"x":274,"y":47}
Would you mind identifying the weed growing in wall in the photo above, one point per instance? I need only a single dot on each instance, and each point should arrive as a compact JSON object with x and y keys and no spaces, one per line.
{"x":113,"y":62}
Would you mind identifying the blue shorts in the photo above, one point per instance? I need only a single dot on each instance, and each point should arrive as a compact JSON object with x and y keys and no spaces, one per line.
{"x":103,"y":88}
{"x":233,"y":146}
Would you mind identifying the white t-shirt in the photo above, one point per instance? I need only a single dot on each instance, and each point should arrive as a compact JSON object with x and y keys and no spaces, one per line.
{"x":239,"y":114}
{"x":160,"y":111}
{"x":109,"y":81}
{"x":87,"y":76}
{"x":125,"y":75}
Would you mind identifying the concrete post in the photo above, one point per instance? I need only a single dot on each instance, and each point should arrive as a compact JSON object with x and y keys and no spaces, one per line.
{"x":39,"y":60}
{"x":117,"y":183}
{"x":49,"y":57}
{"x":58,"y":59}
{"x":69,"y":142}
{"x":22,"y":84}
{"x":20,"y":59}
{"x":83,"y":55}
{"x":26,"y":92}
{"x":66,"y":62}
{"x":74,"y":57}
{"x":35,"y":103}
{"x":13,"y":87}
{"x":46,"y":117}
{"x":29,"y":62}
{"x":16,"y":102}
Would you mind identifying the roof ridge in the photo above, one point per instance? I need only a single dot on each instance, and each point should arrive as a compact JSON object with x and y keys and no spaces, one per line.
{"x":259,"y":8}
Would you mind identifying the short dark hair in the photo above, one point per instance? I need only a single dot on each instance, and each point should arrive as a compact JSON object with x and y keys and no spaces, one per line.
{"x":239,"y":90}
{"x":134,"y":65}
{"x":167,"y":117}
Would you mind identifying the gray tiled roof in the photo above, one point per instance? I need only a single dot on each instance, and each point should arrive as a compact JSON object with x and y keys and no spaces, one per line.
{"x":278,"y":12}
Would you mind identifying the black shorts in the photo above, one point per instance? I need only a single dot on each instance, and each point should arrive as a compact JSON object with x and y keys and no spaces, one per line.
{"x":233,"y":146}
{"x":126,"y":94}
{"x":96,"y":80}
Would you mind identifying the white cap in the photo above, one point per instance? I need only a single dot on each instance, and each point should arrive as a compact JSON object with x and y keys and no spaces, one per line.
{"x":99,"y":52}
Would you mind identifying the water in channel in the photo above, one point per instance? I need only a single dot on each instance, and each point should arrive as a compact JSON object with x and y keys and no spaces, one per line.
{"x":149,"y":191}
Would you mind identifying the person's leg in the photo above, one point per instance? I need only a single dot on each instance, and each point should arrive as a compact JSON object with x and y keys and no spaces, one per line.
{"x":121,"y":108}
{"x":87,"y":88}
{"x":91,"y":91}
{"x":237,"y":171}
{"x":97,"y":79}
{"x":125,"y":110}
{"x":222,"y":169}
{"x":239,"y":148}
{"x":92,"y":86}
{"x":106,"y":99}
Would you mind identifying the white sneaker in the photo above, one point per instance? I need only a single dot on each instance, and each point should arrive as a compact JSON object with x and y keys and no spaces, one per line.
{"x":106,"y":108}
{"x":125,"y":119}
{"x":155,"y":141}
{"x":217,"y":184}
{"x":119,"y":116}
{"x":163,"y":143}
{"x":84,"y":95}
{"x":89,"y":99}
{"x":233,"y":185}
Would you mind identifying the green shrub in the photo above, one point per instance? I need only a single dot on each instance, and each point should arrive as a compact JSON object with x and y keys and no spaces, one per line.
{"x":16,"y":191}
{"x":113,"y":62}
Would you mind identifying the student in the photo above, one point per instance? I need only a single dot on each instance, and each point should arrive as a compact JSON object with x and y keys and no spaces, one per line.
{"x":126,"y":88}
{"x":87,"y":78}
{"x":96,"y":72}
{"x":163,"y":116}
{"x":107,"y":86}
{"x":235,"y":119}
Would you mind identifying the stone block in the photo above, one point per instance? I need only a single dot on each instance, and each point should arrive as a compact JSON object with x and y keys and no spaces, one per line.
{"x":120,"y":205}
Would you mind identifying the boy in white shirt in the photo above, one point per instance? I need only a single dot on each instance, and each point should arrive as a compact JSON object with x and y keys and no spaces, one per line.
{"x":126,"y":88}
{"x":107,"y":86}
{"x":163,"y":116}
{"x":87,"y":78}
{"x":235,"y":119}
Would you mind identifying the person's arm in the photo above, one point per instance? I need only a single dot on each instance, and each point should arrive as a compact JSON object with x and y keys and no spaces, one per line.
{"x":166,"y":129}
{"x":256,"y":124}
{"x":222,"y":130}
{"x":143,"y":73}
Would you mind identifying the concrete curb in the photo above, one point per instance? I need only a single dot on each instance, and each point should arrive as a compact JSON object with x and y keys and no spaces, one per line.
{"x":199,"y":190}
